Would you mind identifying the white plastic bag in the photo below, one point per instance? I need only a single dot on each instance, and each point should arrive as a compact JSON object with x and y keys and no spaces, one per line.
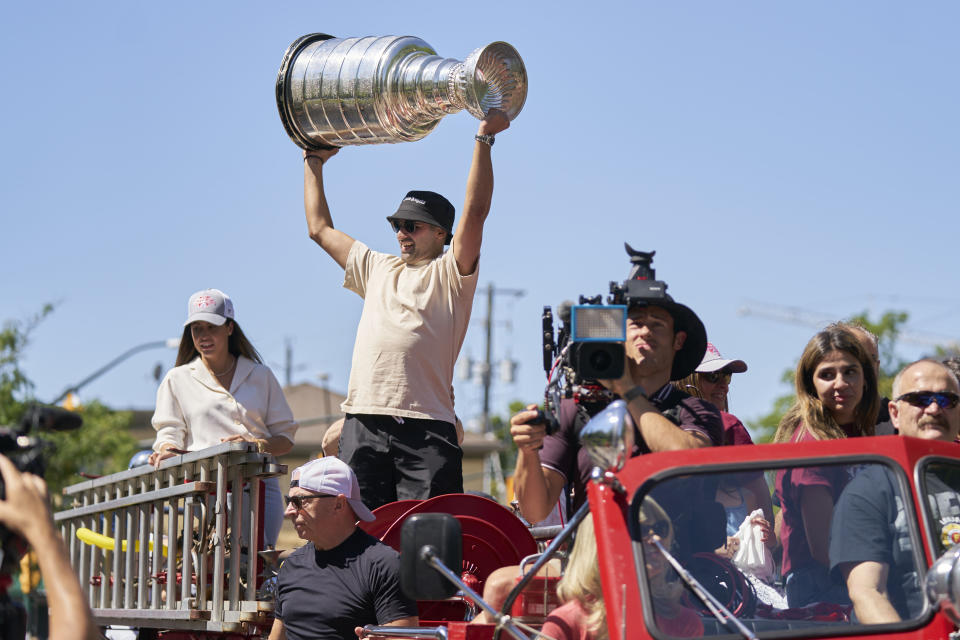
{"x":753,"y":556}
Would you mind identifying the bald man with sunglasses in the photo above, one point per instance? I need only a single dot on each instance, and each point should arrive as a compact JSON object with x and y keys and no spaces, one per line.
{"x":343,"y":578}
{"x":399,"y":434}
{"x":869,"y":540}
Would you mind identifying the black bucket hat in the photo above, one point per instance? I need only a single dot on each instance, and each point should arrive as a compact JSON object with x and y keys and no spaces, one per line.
{"x":688,"y":358}
{"x":429,"y":207}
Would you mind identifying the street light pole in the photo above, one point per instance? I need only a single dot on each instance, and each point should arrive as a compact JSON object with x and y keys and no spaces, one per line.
{"x":169,"y":343}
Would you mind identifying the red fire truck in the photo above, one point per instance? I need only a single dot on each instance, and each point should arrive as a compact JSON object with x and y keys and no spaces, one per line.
{"x":206,"y":588}
{"x":726,"y":602}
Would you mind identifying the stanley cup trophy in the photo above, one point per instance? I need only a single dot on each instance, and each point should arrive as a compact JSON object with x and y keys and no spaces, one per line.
{"x":333,"y":92}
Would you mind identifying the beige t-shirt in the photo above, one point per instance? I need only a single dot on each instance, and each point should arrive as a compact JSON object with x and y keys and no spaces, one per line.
{"x":412,"y":327}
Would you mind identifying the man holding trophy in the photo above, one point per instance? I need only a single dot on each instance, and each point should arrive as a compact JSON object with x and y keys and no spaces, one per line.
{"x":399,"y":435}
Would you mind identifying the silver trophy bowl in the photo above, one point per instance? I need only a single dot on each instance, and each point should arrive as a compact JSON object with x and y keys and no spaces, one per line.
{"x":333,"y":92}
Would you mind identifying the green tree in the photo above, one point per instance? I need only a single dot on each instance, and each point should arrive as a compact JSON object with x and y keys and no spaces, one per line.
{"x":102,"y":445}
{"x":887,"y":329}
{"x":501,"y":431}
{"x":15,"y":387}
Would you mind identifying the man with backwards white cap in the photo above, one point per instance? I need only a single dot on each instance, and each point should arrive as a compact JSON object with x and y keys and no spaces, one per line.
{"x":343,"y":578}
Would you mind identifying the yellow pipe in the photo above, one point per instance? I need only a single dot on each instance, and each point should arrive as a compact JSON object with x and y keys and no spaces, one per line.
{"x":106,"y":542}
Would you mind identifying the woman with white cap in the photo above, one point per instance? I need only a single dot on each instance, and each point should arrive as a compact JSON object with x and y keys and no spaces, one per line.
{"x":220,"y":391}
{"x":711,"y":382}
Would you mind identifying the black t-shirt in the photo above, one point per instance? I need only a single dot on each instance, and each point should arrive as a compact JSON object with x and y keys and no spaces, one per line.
{"x":869,"y":525}
{"x":884,"y":424}
{"x":944,"y":504}
{"x":325,"y":594}
{"x":562,"y":451}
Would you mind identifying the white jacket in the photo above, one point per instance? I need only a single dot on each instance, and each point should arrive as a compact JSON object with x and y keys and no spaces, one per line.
{"x":194,"y":411}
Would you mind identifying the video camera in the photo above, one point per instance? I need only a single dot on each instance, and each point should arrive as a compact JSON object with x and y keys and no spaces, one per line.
{"x":27,"y":454}
{"x":589,"y":345}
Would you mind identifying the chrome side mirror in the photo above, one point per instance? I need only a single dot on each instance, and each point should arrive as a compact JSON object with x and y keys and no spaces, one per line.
{"x":942,"y":584}
{"x":608,"y":437}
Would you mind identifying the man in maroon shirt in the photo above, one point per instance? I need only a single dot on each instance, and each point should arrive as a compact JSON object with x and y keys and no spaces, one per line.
{"x":665,"y":341}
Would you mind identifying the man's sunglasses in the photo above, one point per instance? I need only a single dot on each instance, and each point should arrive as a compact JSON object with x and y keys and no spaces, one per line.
{"x":922,"y":399}
{"x":407,"y":225}
{"x":716,"y":376}
{"x":297,"y":501}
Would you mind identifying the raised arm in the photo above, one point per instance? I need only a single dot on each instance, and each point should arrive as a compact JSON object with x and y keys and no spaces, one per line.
{"x":319,"y":223}
{"x":25,"y":512}
{"x":476,"y":204}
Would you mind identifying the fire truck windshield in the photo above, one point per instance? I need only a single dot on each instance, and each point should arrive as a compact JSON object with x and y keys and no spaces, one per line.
{"x":818,"y":548}
{"x":940,"y":484}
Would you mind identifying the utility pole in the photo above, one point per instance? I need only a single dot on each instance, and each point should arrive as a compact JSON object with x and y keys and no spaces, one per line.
{"x":488,"y":349}
{"x":324,"y":379}
{"x":492,"y":473}
{"x":288,"y":362}
{"x":487,"y":364}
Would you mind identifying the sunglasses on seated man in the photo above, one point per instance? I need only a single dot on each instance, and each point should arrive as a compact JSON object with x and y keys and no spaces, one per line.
{"x":922,"y":399}
{"x":297,"y":501}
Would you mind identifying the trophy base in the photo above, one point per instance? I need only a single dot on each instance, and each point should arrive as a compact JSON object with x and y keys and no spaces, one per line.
{"x":283,"y":82}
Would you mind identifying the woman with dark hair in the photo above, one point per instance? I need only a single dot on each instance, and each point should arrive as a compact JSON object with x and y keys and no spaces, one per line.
{"x":837,"y":397}
{"x":220,"y":391}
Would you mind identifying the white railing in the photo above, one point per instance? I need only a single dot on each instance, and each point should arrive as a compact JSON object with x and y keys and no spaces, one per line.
{"x":181,"y":530}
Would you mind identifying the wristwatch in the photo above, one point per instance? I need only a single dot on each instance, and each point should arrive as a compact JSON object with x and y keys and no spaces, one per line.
{"x":634,"y":393}
{"x":485,"y":138}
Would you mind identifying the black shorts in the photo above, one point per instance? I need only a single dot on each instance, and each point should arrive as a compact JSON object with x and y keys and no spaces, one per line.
{"x":415,"y":460}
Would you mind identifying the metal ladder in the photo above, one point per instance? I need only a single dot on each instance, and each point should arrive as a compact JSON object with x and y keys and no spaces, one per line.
{"x":166,"y":564}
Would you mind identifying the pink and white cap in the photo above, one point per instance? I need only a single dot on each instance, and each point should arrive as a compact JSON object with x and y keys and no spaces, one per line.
{"x":713,"y":361}
{"x":331,"y":476}
{"x":209,"y":305}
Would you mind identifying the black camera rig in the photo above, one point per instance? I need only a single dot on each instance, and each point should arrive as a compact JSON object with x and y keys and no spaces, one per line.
{"x":589,"y":344}
{"x":28,"y":455}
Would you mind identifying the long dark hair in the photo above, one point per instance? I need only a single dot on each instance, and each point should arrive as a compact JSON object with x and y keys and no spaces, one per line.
{"x":238,"y":345}
{"x":809,"y":410}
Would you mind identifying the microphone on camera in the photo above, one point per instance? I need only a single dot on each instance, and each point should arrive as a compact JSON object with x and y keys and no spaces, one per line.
{"x":50,"y":419}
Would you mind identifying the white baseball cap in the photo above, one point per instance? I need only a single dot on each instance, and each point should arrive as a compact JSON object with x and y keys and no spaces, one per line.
{"x":331,"y":476}
{"x":209,"y":305}
{"x":713,"y":361}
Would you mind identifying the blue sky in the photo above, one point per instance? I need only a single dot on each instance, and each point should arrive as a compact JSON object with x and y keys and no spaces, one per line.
{"x":773,"y":154}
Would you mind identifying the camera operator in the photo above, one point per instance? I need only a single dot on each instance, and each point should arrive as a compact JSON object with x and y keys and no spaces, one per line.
{"x":25,"y":512}
{"x":665,"y":341}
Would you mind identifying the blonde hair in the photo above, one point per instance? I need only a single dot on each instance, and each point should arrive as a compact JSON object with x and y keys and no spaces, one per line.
{"x":581,"y":580}
{"x":665,"y":593}
{"x":691,"y":385}
{"x":808,"y":410}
